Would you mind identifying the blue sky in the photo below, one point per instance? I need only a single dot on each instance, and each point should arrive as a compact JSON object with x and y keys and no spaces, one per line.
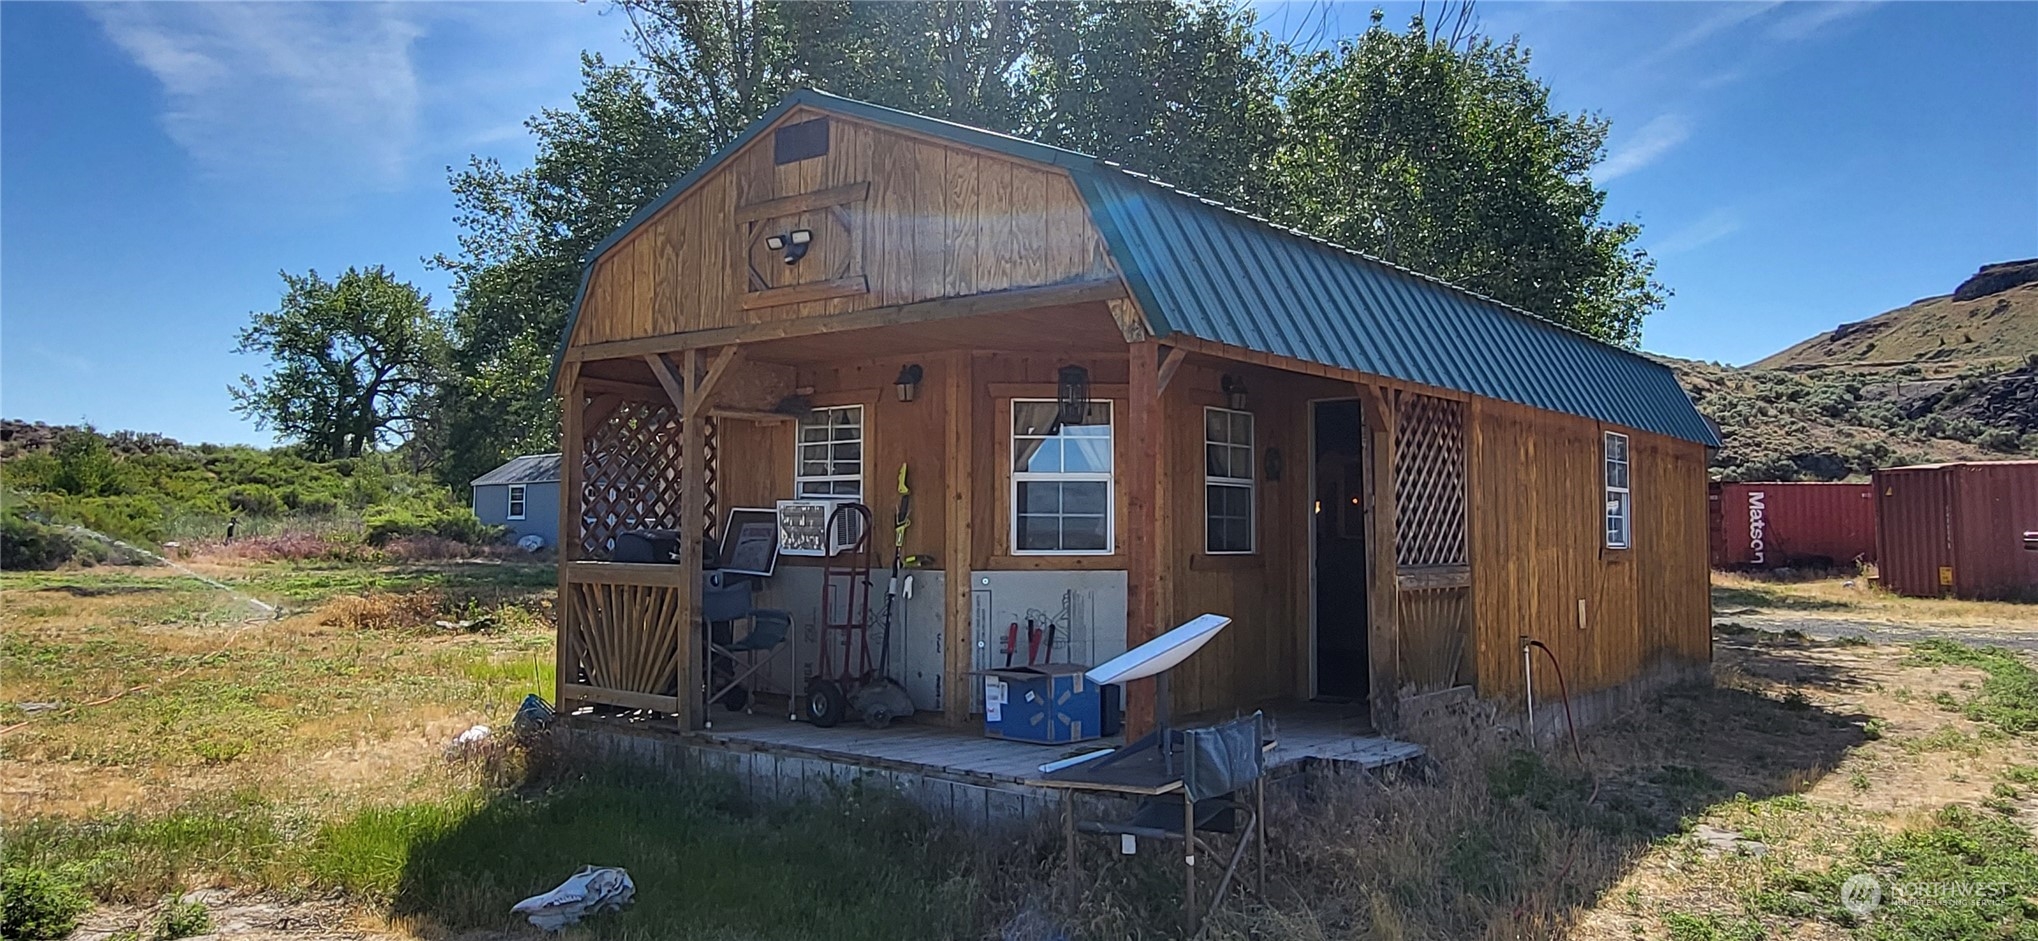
{"x":1793,"y":165}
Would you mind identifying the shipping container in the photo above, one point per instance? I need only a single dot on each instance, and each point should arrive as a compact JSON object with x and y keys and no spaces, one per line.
{"x":1803,"y":525}
{"x":1958,"y":529}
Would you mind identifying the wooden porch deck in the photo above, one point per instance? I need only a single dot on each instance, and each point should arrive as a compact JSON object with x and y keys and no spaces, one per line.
{"x":1306,"y":733}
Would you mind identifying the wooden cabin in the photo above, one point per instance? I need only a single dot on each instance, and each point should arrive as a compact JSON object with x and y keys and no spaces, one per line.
{"x":1386,"y":481}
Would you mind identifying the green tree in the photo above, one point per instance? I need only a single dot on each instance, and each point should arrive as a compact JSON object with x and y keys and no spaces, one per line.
{"x":350,"y":360}
{"x":1452,"y":162}
{"x":84,"y":465}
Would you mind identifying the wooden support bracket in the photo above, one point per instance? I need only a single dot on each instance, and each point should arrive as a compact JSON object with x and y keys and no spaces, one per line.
{"x":1170,"y":363}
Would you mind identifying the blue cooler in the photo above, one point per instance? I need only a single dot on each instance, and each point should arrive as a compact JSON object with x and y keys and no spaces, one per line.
{"x":1048,"y":703}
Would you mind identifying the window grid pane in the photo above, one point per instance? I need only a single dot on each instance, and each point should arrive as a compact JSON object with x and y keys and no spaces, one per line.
{"x":830,"y":453}
{"x":1228,"y":481}
{"x":1061,"y":479}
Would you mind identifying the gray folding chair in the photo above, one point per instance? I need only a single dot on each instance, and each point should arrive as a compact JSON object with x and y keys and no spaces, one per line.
{"x":727,"y":603}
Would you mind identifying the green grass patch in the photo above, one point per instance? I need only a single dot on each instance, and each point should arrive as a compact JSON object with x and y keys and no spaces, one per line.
{"x":1684,"y":926}
{"x":2008,"y":698}
{"x":1963,"y":875}
{"x":855,"y":865}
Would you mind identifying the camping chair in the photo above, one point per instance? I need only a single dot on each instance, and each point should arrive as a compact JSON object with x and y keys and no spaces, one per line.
{"x":1220,"y":763}
{"x":722,"y":605}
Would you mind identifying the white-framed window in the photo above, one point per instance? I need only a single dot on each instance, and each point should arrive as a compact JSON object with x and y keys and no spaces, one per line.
{"x":516,"y":501}
{"x":828,"y":459}
{"x":1227,"y":482}
{"x":1062,"y":499}
{"x":1619,"y":502}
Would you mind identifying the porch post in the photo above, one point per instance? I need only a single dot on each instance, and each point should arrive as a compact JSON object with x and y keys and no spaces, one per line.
{"x":958,"y":544}
{"x":572,"y":440}
{"x":1383,"y":593}
{"x":1148,"y":546}
{"x":692,"y":504}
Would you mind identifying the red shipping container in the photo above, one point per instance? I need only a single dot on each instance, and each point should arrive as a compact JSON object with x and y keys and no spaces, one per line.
{"x":1958,"y":529}
{"x":1776,"y":524}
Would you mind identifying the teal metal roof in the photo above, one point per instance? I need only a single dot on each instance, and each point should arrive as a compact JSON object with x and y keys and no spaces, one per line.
{"x":1210,"y":271}
{"x":1207,"y":270}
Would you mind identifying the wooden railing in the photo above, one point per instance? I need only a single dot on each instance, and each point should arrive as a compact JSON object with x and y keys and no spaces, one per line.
{"x":619,"y":630}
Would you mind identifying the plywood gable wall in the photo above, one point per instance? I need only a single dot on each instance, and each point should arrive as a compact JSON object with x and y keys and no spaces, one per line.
{"x":896,"y":219}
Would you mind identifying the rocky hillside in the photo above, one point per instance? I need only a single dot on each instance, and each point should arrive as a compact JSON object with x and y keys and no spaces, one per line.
{"x":1950,"y":378}
{"x":1991,"y":319}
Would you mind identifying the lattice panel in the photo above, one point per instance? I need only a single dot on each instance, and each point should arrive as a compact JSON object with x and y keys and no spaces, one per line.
{"x":629,"y":475}
{"x":711,"y":449}
{"x":1429,"y":481}
{"x":623,"y":636}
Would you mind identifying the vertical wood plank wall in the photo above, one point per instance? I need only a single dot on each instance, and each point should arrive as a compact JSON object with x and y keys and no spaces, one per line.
{"x":939,"y":220}
{"x":1537,"y":503}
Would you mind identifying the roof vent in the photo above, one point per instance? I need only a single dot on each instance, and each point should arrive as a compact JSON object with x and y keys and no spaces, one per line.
{"x":800,"y":141}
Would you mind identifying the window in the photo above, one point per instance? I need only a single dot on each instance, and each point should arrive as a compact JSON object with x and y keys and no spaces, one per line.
{"x":1619,"y":504}
{"x":830,"y":453}
{"x":1061,"y":480}
{"x":1227,"y":481}
{"x":516,"y":501}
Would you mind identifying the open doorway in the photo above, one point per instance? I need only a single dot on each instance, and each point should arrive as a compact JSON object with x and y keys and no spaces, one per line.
{"x":1339,"y":532}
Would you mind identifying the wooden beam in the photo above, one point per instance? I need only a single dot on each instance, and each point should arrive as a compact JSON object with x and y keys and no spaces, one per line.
{"x":801,"y":293}
{"x":1131,"y":324}
{"x":632,"y":390}
{"x":958,"y":543}
{"x":673,"y":389}
{"x":946,"y":308}
{"x":704,"y":397}
{"x":804,"y":202}
{"x":1148,"y":548}
{"x":1170,"y":365}
{"x":692,"y":506}
{"x":1306,"y":367}
{"x":600,"y":409}
{"x":1383,"y":590}
{"x":750,"y":414}
{"x":581,"y":692}
{"x":648,"y":574}
{"x":566,"y":658}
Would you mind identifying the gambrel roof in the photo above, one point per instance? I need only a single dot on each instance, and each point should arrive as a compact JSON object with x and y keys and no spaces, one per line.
{"x":1203,"y":269}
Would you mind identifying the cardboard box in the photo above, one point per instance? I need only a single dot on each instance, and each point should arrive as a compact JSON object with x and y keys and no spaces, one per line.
{"x":1048,"y":703}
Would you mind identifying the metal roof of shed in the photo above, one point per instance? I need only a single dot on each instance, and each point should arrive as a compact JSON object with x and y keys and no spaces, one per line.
{"x":1207,"y":270}
{"x":528,"y":469}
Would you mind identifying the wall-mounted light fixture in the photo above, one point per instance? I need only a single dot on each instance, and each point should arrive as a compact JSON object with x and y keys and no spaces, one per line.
{"x":908,"y":383}
{"x":793,"y":244}
{"x":1234,"y":392}
{"x":1072,"y":394}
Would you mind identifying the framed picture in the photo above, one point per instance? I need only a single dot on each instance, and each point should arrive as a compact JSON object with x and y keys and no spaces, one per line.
{"x":750,"y":541}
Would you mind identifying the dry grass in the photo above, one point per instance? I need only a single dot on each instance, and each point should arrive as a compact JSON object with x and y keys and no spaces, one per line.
{"x":1851,"y":598}
{"x":382,"y":611}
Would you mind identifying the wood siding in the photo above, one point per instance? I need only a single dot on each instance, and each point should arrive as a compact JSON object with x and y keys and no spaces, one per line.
{"x":1538,"y":501}
{"x":908,"y":218}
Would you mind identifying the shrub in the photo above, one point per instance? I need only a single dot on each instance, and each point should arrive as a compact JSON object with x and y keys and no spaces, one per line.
{"x":392,"y":521}
{"x":27,"y":544}
{"x":183,"y":919}
{"x":381,"y":611}
{"x":39,"y":905}
{"x":254,"y":500}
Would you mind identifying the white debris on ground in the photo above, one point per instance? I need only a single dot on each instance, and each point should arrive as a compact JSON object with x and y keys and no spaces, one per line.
{"x":468,"y":741}
{"x":592,"y":890}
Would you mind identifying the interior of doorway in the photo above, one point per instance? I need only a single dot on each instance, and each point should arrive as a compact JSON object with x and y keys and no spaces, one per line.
{"x":1338,"y":533}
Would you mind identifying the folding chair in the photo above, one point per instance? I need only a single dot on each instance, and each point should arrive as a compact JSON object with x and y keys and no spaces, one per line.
{"x":721,"y":606}
{"x":1219,"y":764}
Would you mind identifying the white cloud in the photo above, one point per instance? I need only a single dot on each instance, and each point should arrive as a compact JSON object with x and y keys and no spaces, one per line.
{"x":1709,"y":228}
{"x":1656,"y":138}
{"x":1805,"y":20}
{"x":293,"y":91}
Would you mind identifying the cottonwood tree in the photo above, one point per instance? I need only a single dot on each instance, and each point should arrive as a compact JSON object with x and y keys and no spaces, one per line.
{"x":350,"y":359}
{"x":1442,"y":153}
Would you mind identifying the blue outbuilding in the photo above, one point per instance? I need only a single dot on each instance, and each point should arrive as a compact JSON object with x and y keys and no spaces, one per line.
{"x":522,"y":495}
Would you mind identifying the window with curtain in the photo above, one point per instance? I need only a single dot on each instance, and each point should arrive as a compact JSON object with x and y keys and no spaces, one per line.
{"x":830,"y":453}
{"x":1227,"y":481}
{"x":1061,"y":479}
{"x":1619,"y":502}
